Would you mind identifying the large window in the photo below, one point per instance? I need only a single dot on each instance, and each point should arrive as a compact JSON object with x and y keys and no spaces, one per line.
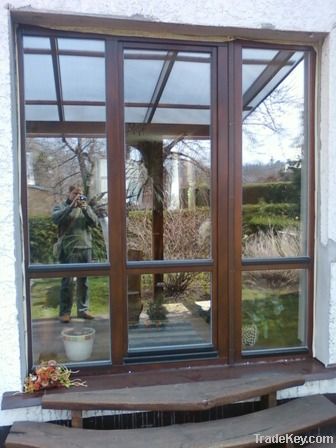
{"x":167,"y":199}
{"x":276,"y":198}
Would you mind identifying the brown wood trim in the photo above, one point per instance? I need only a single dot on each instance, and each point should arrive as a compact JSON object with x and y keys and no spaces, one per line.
{"x":58,"y":129}
{"x":222,"y":234}
{"x":310,"y":93}
{"x":63,"y":271}
{"x":96,"y":54}
{"x":116,"y":189}
{"x":168,"y":106}
{"x":167,"y":45}
{"x":235,"y":199}
{"x":166,"y":268}
{"x":157,"y":57}
{"x":274,"y":45}
{"x":64,"y":103}
{"x":124,"y":26}
{"x":272,"y":266}
{"x":214,"y":145}
{"x":68,"y":128}
{"x":89,"y":54}
{"x":37,"y":51}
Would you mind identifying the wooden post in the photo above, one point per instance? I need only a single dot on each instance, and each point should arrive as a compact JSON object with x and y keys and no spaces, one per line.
{"x":152,"y":152}
{"x":76,"y":419}
{"x":269,"y":400}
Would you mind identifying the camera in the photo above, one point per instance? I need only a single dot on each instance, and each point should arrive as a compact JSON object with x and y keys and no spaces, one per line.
{"x":81,"y":201}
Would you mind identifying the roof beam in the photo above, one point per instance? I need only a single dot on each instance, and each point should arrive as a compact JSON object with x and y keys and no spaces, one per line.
{"x":160,"y":85}
{"x":57,"y":77}
{"x":278,"y":62}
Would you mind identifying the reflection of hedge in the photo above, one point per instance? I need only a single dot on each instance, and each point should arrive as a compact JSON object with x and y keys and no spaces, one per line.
{"x":262,"y":216}
{"x":43,"y":235}
{"x":185,"y":233}
{"x":275,"y":192}
{"x":184,"y":224}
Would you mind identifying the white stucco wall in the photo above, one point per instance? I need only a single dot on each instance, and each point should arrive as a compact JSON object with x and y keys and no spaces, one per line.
{"x":10,"y":367}
{"x":325,"y":291}
{"x":301,"y":15}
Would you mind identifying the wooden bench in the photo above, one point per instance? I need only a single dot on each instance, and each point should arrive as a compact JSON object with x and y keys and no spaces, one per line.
{"x":293,"y":417}
{"x":192,"y":396}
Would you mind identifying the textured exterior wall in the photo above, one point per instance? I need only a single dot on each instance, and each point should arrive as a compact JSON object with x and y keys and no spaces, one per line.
{"x":325,"y":291}
{"x":301,"y":15}
{"x":10,"y":367}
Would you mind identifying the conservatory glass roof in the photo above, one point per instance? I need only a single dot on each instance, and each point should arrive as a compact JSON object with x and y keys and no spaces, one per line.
{"x":64,"y":81}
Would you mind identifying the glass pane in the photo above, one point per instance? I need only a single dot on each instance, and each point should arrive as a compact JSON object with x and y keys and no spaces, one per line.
{"x":275,"y":164}
{"x":140,"y":78}
{"x":168,"y":158}
{"x":168,"y":310}
{"x":42,"y":43}
{"x":188,"y":83}
{"x":82,"y":78}
{"x":41,"y":113}
{"x":81,"y":340}
{"x":135,"y":114}
{"x":182,"y":116}
{"x":251,"y":73}
{"x":54,"y":166}
{"x":81,"y":44}
{"x":84,"y":113}
{"x":39,"y":83}
{"x":255,"y":61}
{"x":274,"y":309}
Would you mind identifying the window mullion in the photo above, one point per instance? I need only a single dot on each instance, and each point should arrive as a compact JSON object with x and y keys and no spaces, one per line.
{"x":234,"y":198}
{"x":116,"y":187}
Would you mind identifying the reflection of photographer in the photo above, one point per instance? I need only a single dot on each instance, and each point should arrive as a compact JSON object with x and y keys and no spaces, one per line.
{"x":74,"y":218}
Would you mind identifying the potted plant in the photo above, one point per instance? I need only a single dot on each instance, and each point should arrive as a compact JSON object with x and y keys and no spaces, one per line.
{"x":157,"y":312}
{"x":78,"y":343}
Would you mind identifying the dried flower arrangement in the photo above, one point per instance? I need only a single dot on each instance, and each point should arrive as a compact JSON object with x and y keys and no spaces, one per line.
{"x":49,"y":375}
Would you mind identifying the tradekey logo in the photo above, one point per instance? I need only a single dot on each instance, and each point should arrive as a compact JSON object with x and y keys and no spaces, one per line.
{"x":293,"y":439}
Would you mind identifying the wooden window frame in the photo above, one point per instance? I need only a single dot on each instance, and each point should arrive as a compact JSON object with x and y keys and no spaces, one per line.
{"x":227,"y":264}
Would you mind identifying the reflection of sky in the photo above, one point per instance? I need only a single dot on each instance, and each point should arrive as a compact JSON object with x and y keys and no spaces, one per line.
{"x":268,"y":145}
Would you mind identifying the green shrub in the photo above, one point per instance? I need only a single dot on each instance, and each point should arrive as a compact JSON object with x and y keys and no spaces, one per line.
{"x":261,"y":223}
{"x":263,"y":216}
{"x":43,"y":235}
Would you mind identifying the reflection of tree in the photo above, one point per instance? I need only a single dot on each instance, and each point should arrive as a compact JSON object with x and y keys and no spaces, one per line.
{"x":149,"y":176}
{"x":59,"y":163}
{"x":271,"y":111}
{"x":85,"y":152}
{"x":271,"y":115}
{"x":146,"y":160}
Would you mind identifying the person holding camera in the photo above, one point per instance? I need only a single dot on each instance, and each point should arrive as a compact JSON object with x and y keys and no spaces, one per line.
{"x":74,"y":218}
